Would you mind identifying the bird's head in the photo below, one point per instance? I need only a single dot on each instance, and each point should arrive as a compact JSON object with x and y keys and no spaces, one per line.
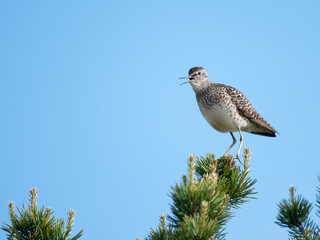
{"x":198,"y":78}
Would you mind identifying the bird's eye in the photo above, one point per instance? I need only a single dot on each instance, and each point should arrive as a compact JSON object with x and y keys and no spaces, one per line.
{"x":199,"y":73}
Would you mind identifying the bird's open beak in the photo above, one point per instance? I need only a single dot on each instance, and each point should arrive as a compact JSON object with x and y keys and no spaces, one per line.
{"x":185,"y":77}
{"x":186,"y":81}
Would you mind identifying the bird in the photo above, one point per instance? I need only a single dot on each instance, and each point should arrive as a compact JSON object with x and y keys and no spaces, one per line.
{"x":226,"y":109}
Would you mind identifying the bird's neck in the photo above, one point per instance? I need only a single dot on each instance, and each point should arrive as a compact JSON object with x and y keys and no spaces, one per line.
{"x":200,"y":85}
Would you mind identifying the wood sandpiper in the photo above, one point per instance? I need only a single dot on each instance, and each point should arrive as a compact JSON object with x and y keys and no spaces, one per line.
{"x":226,"y":109}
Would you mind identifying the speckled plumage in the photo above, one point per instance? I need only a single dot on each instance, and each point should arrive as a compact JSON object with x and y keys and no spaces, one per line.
{"x":225,"y":108}
{"x":233,"y":108}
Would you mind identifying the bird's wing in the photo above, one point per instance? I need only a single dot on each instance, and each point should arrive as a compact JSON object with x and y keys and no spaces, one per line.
{"x":246,"y":109}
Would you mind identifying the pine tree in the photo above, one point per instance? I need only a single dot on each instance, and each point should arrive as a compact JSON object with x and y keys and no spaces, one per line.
{"x":31,"y":223}
{"x":294,"y":214}
{"x":203,"y":201}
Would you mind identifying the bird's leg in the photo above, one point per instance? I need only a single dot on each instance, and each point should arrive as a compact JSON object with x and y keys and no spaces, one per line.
{"x":233,"y":143}
{"x":241,"y":141}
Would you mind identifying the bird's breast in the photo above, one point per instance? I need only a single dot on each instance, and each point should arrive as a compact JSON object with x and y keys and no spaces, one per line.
{"x":223,"y":116}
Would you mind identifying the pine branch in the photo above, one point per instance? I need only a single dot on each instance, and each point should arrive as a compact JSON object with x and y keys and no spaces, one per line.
{"x":163,"y":232}
{"x":202,"y":202}
{"x":31,"y":223}
{"x":294,"y":214}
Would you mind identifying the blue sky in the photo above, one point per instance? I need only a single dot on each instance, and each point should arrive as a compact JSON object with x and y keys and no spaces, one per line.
{"x":94,"y":117}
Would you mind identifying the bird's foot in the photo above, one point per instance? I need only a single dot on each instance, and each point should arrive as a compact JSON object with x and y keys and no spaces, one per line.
{"x":233,"y":158}
{"x":237,"y":157}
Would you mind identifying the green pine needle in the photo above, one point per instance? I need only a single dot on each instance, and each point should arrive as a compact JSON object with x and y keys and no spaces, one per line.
{"x":294,"y":214}
{"x":202,"y":202}
{"x":31,"y":223}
